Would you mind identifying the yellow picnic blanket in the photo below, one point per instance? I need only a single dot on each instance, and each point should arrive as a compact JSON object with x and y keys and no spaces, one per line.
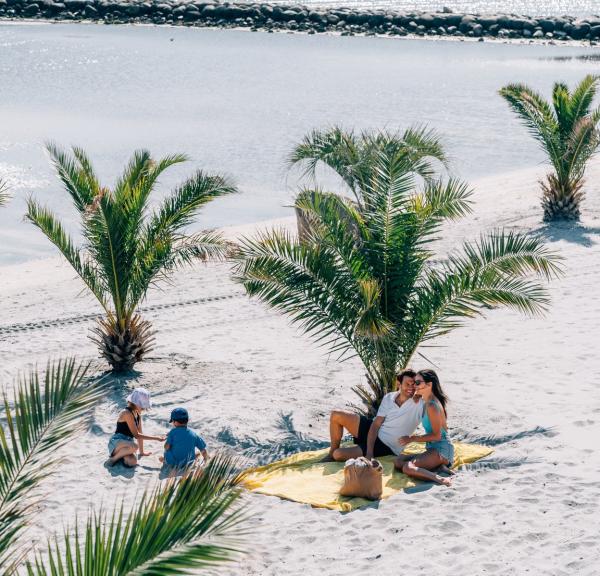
{"x":303,"y":478}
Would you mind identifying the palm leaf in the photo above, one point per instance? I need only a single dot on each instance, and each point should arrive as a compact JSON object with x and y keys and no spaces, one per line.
{"x":3,"y":193}
{"x":185,"y":524}
{"x":45,"y":414}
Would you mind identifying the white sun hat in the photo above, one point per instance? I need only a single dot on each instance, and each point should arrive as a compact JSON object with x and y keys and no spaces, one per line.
{"x":141,"y":398}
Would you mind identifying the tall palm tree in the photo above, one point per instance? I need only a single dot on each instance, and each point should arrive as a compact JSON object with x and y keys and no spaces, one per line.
{"x":45,"y":413}
{"x":185,"y":524}
{"x":567,"y":130}
{"x":366,"y":283}
{"x":126,"y":248}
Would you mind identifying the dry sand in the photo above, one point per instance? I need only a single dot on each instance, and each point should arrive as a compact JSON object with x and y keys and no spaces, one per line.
{"x":529,"y":387}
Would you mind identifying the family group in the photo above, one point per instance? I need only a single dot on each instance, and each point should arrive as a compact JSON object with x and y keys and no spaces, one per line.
{"x":180,"y":443}
{"x":419,"y":399}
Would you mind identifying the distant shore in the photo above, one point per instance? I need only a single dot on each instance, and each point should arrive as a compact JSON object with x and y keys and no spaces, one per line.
{"x":298,"y":18}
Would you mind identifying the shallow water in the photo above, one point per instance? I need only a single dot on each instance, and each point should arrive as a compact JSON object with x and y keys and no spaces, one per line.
{"x":236,"y":102}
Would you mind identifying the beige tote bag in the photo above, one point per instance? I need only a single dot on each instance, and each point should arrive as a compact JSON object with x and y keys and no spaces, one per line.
{"x":363,"y":478}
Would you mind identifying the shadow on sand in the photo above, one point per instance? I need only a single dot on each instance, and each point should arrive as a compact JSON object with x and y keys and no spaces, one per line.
{"x":288,"y":441}
{"x":569,"y":232}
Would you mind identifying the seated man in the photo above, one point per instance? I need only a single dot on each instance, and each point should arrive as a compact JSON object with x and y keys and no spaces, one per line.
{"x":399,"y":415}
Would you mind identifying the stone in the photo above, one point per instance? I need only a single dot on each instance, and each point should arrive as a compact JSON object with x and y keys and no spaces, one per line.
{"x":595,"y":31}
{"x":466,"y":24}
{"x":546,"y":25}
{"x":538,"y":34}
{"x":31,"y":10}
{"x":580,"y":30}
{"x":90,"y":12}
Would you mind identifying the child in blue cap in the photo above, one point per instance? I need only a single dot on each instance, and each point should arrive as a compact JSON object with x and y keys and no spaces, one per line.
{"x":181,"y":442}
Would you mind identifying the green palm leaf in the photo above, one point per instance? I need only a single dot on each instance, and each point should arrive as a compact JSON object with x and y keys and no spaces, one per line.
{"x":44,"y":415}
{"x":187,"y":523}
{"x":3,"y":193}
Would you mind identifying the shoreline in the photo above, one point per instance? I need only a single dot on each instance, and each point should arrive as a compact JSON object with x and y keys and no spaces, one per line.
{"x":295,"y":18}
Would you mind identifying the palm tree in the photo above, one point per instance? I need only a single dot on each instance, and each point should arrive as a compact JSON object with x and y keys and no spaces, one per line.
{"x":3,"y":193}
{"x":184,"y":524}
{"x":366,"y":283}
{"x":567,"y":131}
{"x":44,"y":415}
{"x":126,"y":249}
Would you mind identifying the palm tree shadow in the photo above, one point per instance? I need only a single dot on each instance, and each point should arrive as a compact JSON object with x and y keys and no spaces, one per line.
{"x":288,"y":442}
{"x":496,"y":440}
{"x":569,"y":232}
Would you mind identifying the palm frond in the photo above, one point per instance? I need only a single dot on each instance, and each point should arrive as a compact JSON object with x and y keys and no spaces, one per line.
{"x":188,"y":523}
{"x":54,"y":231}
{"x":582,"y":98}
{"x":78,"y":178}
{"x":537,"y":115}
{"x":44,"y":415}
{"x":3,"y":193}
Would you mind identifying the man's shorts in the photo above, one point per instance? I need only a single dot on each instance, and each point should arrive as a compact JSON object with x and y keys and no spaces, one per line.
{"x":380,"y":449}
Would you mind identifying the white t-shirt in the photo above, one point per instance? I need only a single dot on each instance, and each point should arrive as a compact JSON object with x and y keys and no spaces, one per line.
{"x":399,"y":420}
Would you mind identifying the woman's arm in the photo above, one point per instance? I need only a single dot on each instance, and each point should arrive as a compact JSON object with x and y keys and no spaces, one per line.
{"x":137,"y":432}
{"x":435,"y":417}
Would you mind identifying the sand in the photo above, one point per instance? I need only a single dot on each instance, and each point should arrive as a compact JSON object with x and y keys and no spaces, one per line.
{"x":529,"y":387}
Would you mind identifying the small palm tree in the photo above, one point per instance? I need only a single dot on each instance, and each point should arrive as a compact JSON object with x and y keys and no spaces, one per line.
{"x":44,"y":415}
{"x":366,"y":283}
{"x":567,"y":132}
{"x":3,"y":193}
{"x":185,"y":524}
{"x":126,"y":248}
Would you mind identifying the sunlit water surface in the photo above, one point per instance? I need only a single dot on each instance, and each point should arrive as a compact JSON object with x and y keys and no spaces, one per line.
{"x":236,"y":102}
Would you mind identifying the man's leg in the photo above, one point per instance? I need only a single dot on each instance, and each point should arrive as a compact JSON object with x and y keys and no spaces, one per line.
{"x":343,"y":454}
{"x":337,"y":422}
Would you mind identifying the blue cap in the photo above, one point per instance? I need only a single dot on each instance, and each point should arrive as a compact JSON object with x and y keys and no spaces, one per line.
{"x":179,"y":414}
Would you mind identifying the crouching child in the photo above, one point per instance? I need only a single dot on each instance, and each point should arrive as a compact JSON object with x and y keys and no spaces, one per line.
{"x":181,"y":442}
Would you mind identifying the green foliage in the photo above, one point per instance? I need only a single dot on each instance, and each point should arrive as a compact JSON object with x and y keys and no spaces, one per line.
{"x":126,"y":247}
{"x":185,"y":524}
{"x":44,"y":415}
{"x":3,"y":193}
{"x":566,"y":129}
{"x":364,"y":281}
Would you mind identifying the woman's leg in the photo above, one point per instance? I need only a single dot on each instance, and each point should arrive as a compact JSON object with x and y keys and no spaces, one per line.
{"x":130,"y":461}
{"x":401,"y":460}
{"x":121,"y":450}
{"x":421,"y":467}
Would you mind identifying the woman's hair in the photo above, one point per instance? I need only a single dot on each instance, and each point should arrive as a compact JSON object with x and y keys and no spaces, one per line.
{"x":431,"y":377}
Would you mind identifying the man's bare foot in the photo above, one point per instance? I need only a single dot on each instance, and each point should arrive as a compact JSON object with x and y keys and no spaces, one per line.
{"x":328,"y":457}
{"x":444,"y":481}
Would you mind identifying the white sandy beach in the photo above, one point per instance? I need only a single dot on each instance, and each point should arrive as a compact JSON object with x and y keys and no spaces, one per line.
{"x":530,"y":387}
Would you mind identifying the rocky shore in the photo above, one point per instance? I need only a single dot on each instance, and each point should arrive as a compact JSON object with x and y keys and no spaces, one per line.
{"x":269,"y":17}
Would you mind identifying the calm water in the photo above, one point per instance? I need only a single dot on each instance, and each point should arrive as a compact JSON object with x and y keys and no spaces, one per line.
{"x":238,"y":101}
{"x":531,"y":7}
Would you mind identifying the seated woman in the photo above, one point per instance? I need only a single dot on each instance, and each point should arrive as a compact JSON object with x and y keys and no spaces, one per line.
{"x":439,"y":450}
{"x":122,"y":444}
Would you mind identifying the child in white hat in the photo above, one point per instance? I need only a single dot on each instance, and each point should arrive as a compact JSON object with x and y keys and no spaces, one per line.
{"x":122,"y":444}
